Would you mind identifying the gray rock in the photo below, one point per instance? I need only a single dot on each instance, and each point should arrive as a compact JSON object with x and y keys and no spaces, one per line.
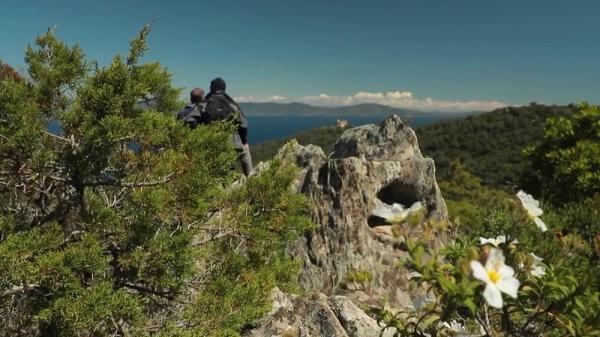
{"x":369,"y":166}
{"x":317,"y":315}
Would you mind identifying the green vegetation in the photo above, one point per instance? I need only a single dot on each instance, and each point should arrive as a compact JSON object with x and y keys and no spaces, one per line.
{"x":127,"y":223}
{"x":324,"y":137}
{"x":359,"y":277}
{"x":130,"y":224}
{"x":567,"y":161}
{"x":490,"y":145}
{"x":555,"y":295}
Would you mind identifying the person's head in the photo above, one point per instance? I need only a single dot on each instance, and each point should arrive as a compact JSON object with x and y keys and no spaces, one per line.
{"x":217,"y":84}
{"x":197,"y":95}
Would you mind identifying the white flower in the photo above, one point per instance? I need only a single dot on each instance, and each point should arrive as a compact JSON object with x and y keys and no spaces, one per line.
{"x":498,"y":278}
{"x":496,"y":241}
{"x":455,"y":327}
{"x":396,"y":213}
{"x":533,"y":209}
{"x":537,"y":268}
{"x":459,"y":329}
{"x":414,"y":274}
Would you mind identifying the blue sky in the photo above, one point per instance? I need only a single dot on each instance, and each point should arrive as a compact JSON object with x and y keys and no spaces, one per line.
{"x":423,"y":54}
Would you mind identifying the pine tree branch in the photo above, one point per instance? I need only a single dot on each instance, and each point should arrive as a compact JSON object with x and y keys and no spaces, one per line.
{"x":18,"y":289}
{"x":140,"y":288}
{"x":62,"y":139}
{"x":118,"y":183}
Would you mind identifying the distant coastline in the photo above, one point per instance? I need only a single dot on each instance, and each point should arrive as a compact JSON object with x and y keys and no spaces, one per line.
{"x":275,"y":121}
{"x":366,"y":110}
{"x":275,"y":127}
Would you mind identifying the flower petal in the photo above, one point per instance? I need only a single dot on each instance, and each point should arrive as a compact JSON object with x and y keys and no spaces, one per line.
{"x":492,"y":296}
{"x":506,"y":271}
{"x":398,"y":208}
{"x":479,"y":272}
{"x":530,"y":204}
{"x":538,"y":271}
{"x":415,"y":207}
{"x":495,"y":260}
{"x":383,"y":212}
{"x":536,"y":258}
{"x":540,"y":224}
{"x":509,"y":286}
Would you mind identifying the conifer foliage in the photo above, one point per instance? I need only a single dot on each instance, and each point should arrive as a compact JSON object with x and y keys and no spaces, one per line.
{"x":123,"y":223}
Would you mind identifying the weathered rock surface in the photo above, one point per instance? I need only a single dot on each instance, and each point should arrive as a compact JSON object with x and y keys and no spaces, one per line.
{"x":368,"y":166}
{"x":315,"y":316}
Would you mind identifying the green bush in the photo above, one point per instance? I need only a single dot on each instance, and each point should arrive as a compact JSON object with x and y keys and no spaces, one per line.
{"x":126,"y":223}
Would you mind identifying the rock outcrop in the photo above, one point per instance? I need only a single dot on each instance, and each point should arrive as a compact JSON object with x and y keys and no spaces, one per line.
{"x":351,"y":259}
{"x":317,"y":315}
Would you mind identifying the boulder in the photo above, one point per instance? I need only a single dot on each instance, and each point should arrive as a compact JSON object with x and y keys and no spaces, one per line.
{"x":351,"y":258}
{"x":369,"y":166}
{"x":316,"y":315}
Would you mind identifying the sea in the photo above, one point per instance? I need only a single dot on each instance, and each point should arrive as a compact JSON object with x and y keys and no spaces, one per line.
{"x":264,"y":128}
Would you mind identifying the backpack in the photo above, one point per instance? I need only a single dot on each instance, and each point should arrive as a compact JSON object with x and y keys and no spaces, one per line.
{"x":235,"y":113}
{"x":192,"y":115}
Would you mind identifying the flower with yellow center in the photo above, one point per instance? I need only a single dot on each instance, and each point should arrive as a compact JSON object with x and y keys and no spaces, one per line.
{"x":498,"y":278}
{"x":396,"y":213}
{"x":533,"y":209}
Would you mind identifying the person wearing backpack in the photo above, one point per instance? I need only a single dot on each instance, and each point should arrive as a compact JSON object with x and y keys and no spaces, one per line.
{"x":220,"y":106}
{"x":193,"y":113}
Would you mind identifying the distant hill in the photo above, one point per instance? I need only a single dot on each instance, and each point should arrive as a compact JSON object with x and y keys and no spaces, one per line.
{"x":489,"y":144}
{"x":282,"y":109}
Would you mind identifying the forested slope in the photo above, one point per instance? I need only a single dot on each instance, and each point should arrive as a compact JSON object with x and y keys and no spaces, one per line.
{"x":489,"y":145}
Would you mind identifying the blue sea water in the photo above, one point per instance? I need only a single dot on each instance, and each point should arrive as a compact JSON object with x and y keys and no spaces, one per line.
{"x":263,"y":128}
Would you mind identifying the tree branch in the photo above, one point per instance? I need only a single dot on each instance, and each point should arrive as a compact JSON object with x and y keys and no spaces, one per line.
{"x":18,"y":289}
{"x":164,"y":294}
{"x":118,"y":183}
{"x":63,"y":139}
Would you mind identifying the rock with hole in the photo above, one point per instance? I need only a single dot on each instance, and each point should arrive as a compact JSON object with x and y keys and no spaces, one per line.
{"x":352,"y":253}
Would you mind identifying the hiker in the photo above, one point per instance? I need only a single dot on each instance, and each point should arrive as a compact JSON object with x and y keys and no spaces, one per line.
{"x":220,"y":106}
{"x":193,"y":113}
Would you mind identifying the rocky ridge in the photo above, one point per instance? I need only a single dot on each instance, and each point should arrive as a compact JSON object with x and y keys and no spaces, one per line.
{"x":351,"y":260}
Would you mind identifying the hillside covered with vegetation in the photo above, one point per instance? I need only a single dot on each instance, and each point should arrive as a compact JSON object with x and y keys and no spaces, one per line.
{"x":128,"y":223}
{"x":490,"y":145}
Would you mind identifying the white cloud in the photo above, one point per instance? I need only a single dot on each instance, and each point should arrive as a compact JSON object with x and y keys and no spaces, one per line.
{"x":261,"y":99}
{"x":397,"y":99}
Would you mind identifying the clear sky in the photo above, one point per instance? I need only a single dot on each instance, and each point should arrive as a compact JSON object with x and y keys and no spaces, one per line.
{"x":446,"y":54}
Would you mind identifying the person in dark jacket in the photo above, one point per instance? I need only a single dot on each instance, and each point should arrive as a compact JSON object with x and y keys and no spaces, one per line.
{"x":193,"y":113}
{"x":220,"y":106}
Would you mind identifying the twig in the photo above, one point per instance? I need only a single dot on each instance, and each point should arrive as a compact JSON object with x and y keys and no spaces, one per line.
{"x":117,"y":183}
{"x":63,"y":139}
{"x":18,"y":289}
{"x":164,"y":294}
